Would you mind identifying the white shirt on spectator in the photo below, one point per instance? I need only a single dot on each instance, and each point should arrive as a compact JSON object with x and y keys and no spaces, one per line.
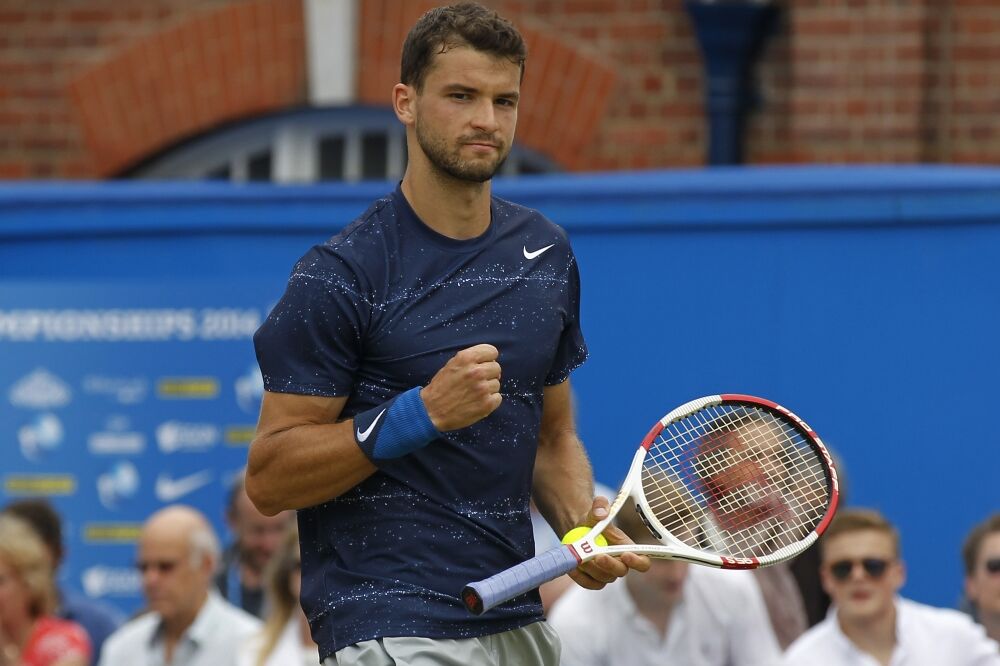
{"x":288,"y":651}
{"x":211,"y":640}
{"x":720,"y":621}
{"x":925,"y":636}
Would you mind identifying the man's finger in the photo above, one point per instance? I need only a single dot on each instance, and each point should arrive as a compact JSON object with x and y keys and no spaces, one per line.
{"x":481,"y":353}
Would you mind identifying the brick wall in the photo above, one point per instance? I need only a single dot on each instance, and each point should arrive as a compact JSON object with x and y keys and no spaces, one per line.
{"x":840,"y":81}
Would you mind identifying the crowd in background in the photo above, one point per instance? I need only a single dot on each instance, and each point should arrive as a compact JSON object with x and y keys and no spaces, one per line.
{"x":206,"y":605}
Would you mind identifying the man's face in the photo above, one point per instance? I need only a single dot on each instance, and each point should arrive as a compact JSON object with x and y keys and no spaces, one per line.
{"x":258,"y":536}
{"x":174,"y":585}
{"x":862,"y":573}
{"x":983,"y":584}
{"x":466,"y":113}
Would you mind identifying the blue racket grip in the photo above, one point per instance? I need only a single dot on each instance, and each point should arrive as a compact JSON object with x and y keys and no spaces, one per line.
{"x":481,"y":596}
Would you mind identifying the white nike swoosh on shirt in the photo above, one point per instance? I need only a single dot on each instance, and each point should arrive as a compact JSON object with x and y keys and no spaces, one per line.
{"x":168,"y":490}
{"x":536,"y":253}
{"x":363,"y":434}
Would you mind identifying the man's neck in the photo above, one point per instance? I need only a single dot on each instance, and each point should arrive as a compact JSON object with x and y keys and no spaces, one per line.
{"x":454,"y":208}
{"x":991,"y":622}
{"x":175,"y":626}
{"x":250,"y":577}
{"x":656,"y":610}
{"x":875,"y":636}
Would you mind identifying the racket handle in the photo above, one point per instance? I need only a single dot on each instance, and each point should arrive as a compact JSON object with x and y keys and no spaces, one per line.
{"x":481,"y":596}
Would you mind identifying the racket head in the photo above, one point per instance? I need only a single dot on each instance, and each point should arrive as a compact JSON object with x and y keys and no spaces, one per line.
{"x":740,"y":480}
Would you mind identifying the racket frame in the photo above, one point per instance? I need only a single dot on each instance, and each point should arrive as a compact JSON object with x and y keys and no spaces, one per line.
{"x":482,"y":595}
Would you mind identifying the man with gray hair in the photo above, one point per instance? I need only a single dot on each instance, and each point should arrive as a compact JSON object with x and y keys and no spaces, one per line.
{"x":188,"y":623}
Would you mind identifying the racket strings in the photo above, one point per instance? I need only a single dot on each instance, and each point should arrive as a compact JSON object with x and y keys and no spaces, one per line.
{"x":737,"y":480}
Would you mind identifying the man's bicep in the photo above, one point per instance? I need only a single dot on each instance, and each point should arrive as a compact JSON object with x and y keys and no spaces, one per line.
{"x":283,"y":411}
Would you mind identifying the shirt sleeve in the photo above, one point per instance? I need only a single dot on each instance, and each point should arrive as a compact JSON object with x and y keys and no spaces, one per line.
{"x":572,"y":349}
{"x":310,"y":343}
{"x":970,"y":638}
{"x":56,"y":640}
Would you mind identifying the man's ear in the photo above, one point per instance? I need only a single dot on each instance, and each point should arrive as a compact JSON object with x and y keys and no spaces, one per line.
{"x":403,"y":100}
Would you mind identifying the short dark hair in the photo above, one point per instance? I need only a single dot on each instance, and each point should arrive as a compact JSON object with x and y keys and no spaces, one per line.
{"x":44,"y":520}
{"x":464,"y":24}
{"x":974,"y":541}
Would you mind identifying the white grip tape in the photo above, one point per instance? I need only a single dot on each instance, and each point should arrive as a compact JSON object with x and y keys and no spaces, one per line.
{"x":482,"y":596}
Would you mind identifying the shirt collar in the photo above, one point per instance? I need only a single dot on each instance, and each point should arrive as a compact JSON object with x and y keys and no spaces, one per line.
{"x":844,"y":643}
{"x":201,"y":629}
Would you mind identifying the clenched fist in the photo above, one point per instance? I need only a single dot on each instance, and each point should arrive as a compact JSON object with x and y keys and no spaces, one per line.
{"x":465,"y":390}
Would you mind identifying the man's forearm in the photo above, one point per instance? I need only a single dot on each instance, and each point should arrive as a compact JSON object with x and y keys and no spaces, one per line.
{"x":304,"y":466}
{"x":563,"y":482}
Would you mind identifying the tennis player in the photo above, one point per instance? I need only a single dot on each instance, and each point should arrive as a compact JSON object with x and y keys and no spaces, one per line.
{"x":417,"y":374}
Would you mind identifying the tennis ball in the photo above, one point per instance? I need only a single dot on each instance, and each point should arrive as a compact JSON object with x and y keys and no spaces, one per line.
{"x":579,"y":532}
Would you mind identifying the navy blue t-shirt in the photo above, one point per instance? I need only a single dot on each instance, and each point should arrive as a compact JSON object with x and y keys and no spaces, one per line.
{"x":377,"y":310}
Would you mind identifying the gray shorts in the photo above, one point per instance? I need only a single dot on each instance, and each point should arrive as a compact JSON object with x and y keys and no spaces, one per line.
{"x":534,"y":645}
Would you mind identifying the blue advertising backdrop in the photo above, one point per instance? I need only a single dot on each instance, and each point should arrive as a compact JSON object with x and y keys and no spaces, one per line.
{"x":865,"y":299}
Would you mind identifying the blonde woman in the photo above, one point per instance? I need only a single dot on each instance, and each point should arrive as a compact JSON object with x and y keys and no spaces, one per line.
{"x":29,"y":634}
{"x":284,"y":640}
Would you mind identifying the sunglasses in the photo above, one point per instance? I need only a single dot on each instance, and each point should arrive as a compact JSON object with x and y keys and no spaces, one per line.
{"x":873,"y":567}
{"x":993,"y":565}
{"x":160,"y":566}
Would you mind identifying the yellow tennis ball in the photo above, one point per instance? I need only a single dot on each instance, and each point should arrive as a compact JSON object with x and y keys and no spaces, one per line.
{"x":580,"y":532}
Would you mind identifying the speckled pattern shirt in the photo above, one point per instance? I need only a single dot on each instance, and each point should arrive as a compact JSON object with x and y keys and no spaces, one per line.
{"x":375,"y":311}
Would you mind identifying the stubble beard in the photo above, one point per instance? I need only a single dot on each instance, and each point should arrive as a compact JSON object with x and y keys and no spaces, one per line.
{"x":447,"y":160}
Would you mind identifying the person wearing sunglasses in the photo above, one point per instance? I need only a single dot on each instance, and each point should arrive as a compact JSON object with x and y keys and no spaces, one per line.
{"x":869,"y":623}
{"x":981,"y":555}
{"x":189,"y":622}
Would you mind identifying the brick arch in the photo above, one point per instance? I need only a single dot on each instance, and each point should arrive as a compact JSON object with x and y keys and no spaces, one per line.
{"x":565,"y":92}
{"x":204,"y":70}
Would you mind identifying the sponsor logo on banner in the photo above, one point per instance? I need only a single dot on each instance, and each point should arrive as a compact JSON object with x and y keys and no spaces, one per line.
{"x":177,"y":436}
{"x":111,"y":532}
{"x":43,"y":433}
{"x":240,"y":435}
{"x":102,"y":581}
{"x":118,"y":484}
{"x":250,"y":390}
{"x":190,"y":388}
{"x":39,"y":484}
{"x":124,"y":390}
{"x":116,"y":438}
{"x":40,"y":390}
{"x":170,"y":489}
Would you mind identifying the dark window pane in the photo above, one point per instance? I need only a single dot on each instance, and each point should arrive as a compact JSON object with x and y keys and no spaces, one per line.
{"x":222,"y":172}
{"x":374,"y":163}
{"x":331,"y":158}
{"x":529,"y":167}
{"x":259,"y":166}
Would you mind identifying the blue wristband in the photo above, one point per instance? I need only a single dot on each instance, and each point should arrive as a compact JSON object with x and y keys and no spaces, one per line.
{"x":395,"y":428}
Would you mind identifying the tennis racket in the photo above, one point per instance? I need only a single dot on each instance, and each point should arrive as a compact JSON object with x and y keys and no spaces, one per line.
{"x":728,"y":481}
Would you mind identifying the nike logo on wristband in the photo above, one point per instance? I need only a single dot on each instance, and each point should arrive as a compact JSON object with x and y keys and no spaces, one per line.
{"x":363,"y":434}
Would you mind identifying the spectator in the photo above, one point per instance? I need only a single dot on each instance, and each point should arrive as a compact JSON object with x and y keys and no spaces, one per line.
{"x":240,"y":578}
{"x":30,"y":635}
{"x":189,"y":623}
{"x":285,"y":638}
{"x":98,"y":620}
{"x":981,"y":554}
{"x":673,"y":614}
{"x":862,"y":571}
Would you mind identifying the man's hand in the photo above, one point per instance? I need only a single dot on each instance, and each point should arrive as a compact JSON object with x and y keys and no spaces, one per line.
{"x":604,"y":569}
{"x":466,"y":390}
